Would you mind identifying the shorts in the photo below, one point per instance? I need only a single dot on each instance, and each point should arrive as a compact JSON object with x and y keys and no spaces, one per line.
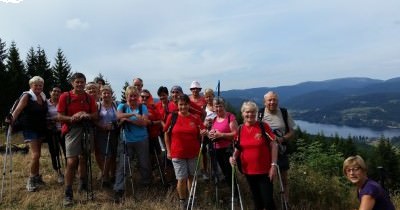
{"x":101,"y":140}
{"x":30,"y":135}
{"x":184,"y":167}
{"x":73,"y":141}
{"x":283,"y":162}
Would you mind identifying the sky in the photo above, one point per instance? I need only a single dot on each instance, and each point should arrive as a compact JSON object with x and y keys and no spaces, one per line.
{"x":244,"y":44}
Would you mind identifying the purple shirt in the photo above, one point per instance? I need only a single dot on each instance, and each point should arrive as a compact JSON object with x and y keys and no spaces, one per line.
{"x":382,"y":200}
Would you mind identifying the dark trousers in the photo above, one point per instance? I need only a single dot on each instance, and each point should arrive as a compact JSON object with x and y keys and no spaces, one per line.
{"x":222,"y":156}
{"x":55,"y":142}
{"x":262,"y":191}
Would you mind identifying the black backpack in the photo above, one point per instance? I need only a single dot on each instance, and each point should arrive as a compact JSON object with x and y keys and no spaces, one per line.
{"x":284,"y":115}
{"x":18,"y":125}
{"x":237,"y":143}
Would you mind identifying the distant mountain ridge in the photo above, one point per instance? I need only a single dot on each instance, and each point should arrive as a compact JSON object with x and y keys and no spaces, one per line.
{"x":355,"y":101}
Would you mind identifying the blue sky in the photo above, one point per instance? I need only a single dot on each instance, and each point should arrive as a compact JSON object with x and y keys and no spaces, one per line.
{"x":244,"y":44}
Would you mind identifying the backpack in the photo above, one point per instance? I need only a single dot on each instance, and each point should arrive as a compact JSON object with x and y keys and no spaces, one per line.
{"x":174,"y":117}
{"x":237,"y":143}
{"x":284,"y":116}
{"x":18,"y":125}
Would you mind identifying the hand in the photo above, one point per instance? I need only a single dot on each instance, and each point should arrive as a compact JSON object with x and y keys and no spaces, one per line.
{"x":169,"y":155}
{"x":272,"y":173}
{"x":232,"y":161}
{"x":203,"y":132}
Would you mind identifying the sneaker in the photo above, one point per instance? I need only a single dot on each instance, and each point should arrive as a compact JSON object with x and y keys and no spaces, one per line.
{"x":118,"y":195}
{"x":182,"y":204}
{"x":39,"y":180}
{"x":60,"y":178}
{"x":68,"y":199}
{"x":31,"y":185}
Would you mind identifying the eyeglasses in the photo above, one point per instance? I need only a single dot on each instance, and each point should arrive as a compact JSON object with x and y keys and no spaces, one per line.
{"x":349,"y":170}
{"x":195,"y":89}
{"x":175,"y":92}
{"x":144,"y":97}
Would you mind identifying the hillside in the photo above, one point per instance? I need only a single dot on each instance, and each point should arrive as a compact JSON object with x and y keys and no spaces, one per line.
{"x":357,"y":102}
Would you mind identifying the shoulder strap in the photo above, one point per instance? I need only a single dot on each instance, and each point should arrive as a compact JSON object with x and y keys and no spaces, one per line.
{"x":264,"y":135}
{"x":140,"y":109}
{"x":68,"y":103}
{"x":237,"y":143}
{"x":99,"y":105}
{"x":260,"y":114}
{"x":174,"y":117}
{"x":285,"y":118}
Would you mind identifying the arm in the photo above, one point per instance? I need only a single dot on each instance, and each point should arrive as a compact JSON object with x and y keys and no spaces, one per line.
{"x":367,"y":202}
{"x":167,"y":144}
{"x":274,"y":157}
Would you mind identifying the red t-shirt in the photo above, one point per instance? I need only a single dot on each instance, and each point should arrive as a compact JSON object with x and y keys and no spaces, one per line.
{"x":164,"y":111}
{"x":200,"y":102}
{"x":255,"y":153}
{"x":193,"y":109}
{"x":77,"y":103}
{"x":185,"y":142}
{"x":154,"y":115}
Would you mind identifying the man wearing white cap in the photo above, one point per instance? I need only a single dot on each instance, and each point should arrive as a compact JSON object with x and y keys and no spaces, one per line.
{"x":196,"y":98}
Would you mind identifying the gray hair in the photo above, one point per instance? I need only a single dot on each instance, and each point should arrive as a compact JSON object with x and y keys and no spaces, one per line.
{"x":249,"y":104}
{"x":36,"y":79}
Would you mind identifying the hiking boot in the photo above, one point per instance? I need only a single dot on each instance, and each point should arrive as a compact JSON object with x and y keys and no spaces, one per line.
{"x":182,"y":204}
{"x":68,"y":199}
{"x":60,"y":178}
{"x":118,"y":195}
{"x":39,"y":180}
{"x":31,"y":185}
{"x":82,"y":185}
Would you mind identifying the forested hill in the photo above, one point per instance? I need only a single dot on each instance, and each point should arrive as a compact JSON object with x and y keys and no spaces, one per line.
{"x":347,"y":101}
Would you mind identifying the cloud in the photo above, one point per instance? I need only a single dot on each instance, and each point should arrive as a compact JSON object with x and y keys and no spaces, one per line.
{"x":12,"y":1}
{"x":76,"y":24}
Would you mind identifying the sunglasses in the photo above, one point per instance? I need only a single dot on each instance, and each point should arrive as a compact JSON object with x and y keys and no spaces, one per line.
{"x":145,"y":96}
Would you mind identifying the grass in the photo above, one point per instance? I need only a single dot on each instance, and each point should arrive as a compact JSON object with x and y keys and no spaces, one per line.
{"x":308,"y":191}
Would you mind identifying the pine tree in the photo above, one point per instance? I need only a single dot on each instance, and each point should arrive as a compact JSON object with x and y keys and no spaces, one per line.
{"x":16,"y":81}
{"x":62,"y":71}
{"x":43,"y":69}
{"x":3,"y":78}
{"x":31,"y":61}
{"x":123,"y":99}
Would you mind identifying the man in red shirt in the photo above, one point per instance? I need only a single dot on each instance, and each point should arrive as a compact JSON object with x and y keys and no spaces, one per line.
{"x":75,"y":110}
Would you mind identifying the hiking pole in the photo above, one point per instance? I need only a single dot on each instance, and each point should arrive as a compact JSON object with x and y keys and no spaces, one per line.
{"x":88,"y":159}
{"x":284,"y":203}
{"x":105,"y":157}
{"x":7,"y":153}
{"x":238,"y":189}
{"x":158,"y":162}
{"x":214,"y":170}
{"x":233,"y":188}
{"x":56,"y":143}
{"x":127,"y":160}
{"x":192,"y":192}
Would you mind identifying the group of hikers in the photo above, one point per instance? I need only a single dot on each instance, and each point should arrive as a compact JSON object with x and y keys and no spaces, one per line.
{"x":87,"y":118}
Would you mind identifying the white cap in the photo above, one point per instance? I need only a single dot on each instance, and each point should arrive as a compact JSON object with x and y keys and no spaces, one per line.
{"x":195,"y":84}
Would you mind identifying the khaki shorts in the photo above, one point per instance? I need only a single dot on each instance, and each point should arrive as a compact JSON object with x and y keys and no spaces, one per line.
{"x":73,"y":141}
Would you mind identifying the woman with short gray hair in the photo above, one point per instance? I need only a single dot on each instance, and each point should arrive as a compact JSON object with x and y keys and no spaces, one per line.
{"x":32,"y":110}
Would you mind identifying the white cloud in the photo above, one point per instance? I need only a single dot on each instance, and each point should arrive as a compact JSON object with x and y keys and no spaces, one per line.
{"x":12,"y":1}
{"x":76,"y":24}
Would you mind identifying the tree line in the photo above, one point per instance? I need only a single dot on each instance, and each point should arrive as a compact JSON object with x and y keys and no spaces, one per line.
{"x":15,"y":72}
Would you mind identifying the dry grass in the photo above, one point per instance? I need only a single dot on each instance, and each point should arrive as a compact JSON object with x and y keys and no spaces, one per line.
{"x":51,"y":195}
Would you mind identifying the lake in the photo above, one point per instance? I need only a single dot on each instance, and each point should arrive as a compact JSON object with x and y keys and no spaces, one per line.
{"x":344,"y":131}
